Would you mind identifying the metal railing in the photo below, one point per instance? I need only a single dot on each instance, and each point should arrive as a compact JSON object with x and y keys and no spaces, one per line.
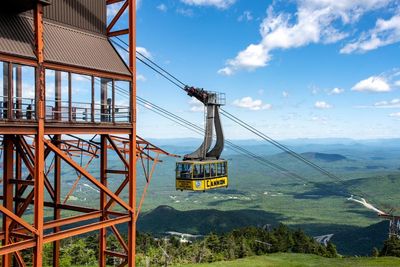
{"x":217,"y":98}
{"x":60,"y":111}
{"x":86,"y":112}
{"x":22,"y":108}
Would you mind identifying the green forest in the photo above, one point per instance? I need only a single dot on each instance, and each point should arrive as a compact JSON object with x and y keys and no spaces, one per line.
{"x":237,"y":244}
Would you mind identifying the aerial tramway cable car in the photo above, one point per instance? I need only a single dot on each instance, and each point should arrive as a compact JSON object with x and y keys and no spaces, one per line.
{"x":203,"y":169}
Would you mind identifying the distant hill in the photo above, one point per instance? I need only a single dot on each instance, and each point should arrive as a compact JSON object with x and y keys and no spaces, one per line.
{"x":165,"y":218}
{"x":361,"y":241}
{"x":323,"y":156}
{"x":354,"y":241}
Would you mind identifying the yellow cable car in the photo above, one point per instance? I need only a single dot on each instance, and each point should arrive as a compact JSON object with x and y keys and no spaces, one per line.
{"x":201,"y":175}
{"x":203,"y":169}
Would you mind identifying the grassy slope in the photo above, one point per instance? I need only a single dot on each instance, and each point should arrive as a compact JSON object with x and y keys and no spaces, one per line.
{"x":288,"y":260}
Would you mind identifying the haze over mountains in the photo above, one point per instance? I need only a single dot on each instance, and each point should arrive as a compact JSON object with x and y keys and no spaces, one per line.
{"x":259,"y":196}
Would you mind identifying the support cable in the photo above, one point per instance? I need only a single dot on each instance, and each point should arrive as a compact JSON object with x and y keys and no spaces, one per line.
{"x":197,"y":129}
{"x":154,"y":66}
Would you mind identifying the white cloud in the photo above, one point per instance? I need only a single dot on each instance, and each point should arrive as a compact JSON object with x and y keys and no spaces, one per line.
{"x":113,"y":9}
{"x":187,"y":12}
{"x":248,"y":103}
{"x":313,"y":23}
{"x":372,"y":84}
{"x":394,"y":103}
{"x":314,"y":89}
{"x":396,"y":115}
{"x":319,"y":119}
{"x":222,"y":4}
{"x":397,"y":83}
{"x":80,"y":78}
{"x":246,"y":16}
{"x":285,"y":94}
{"x":144,"y":51}
{"x":196,"y":105}
{"x":123,"y":102}
{"x":386,"y":32}
{"x":140,"y":77}
{"x":28,"y":91}
{"x":124,"y":55}
{"x":336,"y":91}
{"x":253,"y":57}
{"x":322,"y":105}
{"x":162,"y":7}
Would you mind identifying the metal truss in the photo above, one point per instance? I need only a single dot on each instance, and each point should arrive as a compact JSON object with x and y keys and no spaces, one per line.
{"x":19,"y":234}
{"x":34,"y":155}
{"x":394,"y":224}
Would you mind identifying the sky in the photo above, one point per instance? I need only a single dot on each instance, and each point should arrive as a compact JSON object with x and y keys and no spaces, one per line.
{"x":292,"y":69}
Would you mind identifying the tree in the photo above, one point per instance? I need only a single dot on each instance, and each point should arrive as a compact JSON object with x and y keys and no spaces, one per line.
{"x":244,"y":249}
{"x":375,"y":252}
{"x":284,"y":238}
{"x":48,"y":254}
{"x":114,"y":245}
{"x":81,"y":254}
{"x":301,"y":242}
{"x":230,"y":248}
{"x":391,"y":247}
{"x":331,"y":250}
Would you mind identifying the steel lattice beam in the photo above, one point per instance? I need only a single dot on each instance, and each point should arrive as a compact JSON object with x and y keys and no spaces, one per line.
{"x":29,"y":181}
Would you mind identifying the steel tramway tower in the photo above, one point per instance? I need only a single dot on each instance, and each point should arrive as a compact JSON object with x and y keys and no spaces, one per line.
{"x":47,"y":49}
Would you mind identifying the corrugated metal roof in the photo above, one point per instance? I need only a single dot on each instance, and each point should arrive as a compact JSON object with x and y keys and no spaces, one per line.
{"x":63,"y":45}
{"x":16,"y":36}
{"x":69,"y":46}
{"x":90,"y":15}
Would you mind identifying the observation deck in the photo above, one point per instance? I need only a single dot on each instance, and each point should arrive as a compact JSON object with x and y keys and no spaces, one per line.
{"x":87,"y":83}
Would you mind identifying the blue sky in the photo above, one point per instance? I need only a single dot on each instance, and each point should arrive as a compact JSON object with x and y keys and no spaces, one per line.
{"x":293,"y":69}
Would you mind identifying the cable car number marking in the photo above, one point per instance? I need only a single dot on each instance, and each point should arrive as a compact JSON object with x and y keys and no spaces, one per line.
{"x":200,"y":185}
{"x":217,"y":182}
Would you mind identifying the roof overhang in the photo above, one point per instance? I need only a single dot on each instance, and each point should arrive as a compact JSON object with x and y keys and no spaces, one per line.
{"x":64,"y":46}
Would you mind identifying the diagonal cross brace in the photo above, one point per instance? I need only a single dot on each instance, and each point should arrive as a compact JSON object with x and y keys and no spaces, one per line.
{"x":117,"y":16}
{"x":85,"y":173}
{"x":18,"y":220}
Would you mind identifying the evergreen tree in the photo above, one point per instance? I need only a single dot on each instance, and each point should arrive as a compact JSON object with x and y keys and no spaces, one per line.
{"x":48,"y":254}
{"x":331,"y":250}
{"x":391,"y":247}
{"x":301,"y":242}
{"x":81,"y":254}
{"x":375,"y":252}
{"x":284,"y":238}
{"x":244,"y":249}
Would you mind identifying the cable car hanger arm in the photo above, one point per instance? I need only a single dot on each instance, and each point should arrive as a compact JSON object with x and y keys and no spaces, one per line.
{"x":212,"y":101}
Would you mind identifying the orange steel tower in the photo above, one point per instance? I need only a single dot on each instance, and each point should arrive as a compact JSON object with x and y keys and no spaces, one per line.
{"x":60,"y":80}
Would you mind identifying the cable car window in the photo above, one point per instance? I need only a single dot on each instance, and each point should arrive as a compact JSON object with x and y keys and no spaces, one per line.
{"x":223,"y":168}
{"x":219,"y":169}
{"x":197,"y":169}
{"x":213,"y":170}
{"x":201,"y":173}
{"x":184,"y":171}
{"x":207,"y":170}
